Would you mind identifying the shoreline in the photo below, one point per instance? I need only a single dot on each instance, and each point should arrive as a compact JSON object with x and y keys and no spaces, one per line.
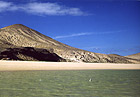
{"x":39,"y":65}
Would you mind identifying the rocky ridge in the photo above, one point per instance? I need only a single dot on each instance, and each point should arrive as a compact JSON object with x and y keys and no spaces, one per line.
{"x":134,"y":56}
{"x":19,"y":36}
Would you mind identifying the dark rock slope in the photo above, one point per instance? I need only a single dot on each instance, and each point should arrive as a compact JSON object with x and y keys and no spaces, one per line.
{"x":29,"y":54}
{"x":18,"y":36}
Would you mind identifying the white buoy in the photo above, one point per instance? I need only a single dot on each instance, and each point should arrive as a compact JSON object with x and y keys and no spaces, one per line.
{"x":40,"y":80}
{"x":90,"y":80}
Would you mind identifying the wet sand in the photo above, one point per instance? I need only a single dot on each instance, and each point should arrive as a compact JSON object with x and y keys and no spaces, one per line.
{"x":31,"y":65}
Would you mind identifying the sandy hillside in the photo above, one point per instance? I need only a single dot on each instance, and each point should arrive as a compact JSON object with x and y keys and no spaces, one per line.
{"x":18,"y":38}
{"x":134,"y":56}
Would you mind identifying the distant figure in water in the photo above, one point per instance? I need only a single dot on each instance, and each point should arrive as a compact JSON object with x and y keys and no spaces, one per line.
{"x":90,"y":80}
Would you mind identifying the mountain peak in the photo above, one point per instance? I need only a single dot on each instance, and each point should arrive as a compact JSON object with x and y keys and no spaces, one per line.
{"x":16,"y":26}
{"x":18,"y":35}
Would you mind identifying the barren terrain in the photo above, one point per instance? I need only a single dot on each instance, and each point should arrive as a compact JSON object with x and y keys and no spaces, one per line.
{"x":19,"y":42}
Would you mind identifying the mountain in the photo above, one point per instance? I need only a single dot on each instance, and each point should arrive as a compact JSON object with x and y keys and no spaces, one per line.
{"x":29,"y":53}
{"x":18,"y":37}
{"x":134,"y":56}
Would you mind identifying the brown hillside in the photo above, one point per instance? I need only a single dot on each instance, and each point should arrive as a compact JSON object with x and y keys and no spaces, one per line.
{"x":134,"y":56}
{"x":18,"y":35}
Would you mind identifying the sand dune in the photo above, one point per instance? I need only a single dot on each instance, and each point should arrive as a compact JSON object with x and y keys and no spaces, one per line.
{"x":30,"y":65}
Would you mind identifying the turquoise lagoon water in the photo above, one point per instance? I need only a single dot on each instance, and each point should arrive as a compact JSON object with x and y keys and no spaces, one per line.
{"x":78,"y":83}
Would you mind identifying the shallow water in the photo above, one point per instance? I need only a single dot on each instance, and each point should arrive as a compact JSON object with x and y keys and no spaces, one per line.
{"x":78,"y":83}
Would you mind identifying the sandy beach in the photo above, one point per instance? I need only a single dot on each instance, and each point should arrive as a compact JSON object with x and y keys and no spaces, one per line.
{"x":30,"y":65}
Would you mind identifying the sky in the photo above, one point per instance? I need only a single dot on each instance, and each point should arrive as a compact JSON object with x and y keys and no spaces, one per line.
{"x":100,"y":26}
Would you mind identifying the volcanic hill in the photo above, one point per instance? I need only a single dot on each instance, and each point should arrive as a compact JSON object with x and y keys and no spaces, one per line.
{"x":134,"y":56}
{"x":18,"y":42}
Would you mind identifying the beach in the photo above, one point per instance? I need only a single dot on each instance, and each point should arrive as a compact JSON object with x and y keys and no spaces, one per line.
{"x":32,"y":65}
